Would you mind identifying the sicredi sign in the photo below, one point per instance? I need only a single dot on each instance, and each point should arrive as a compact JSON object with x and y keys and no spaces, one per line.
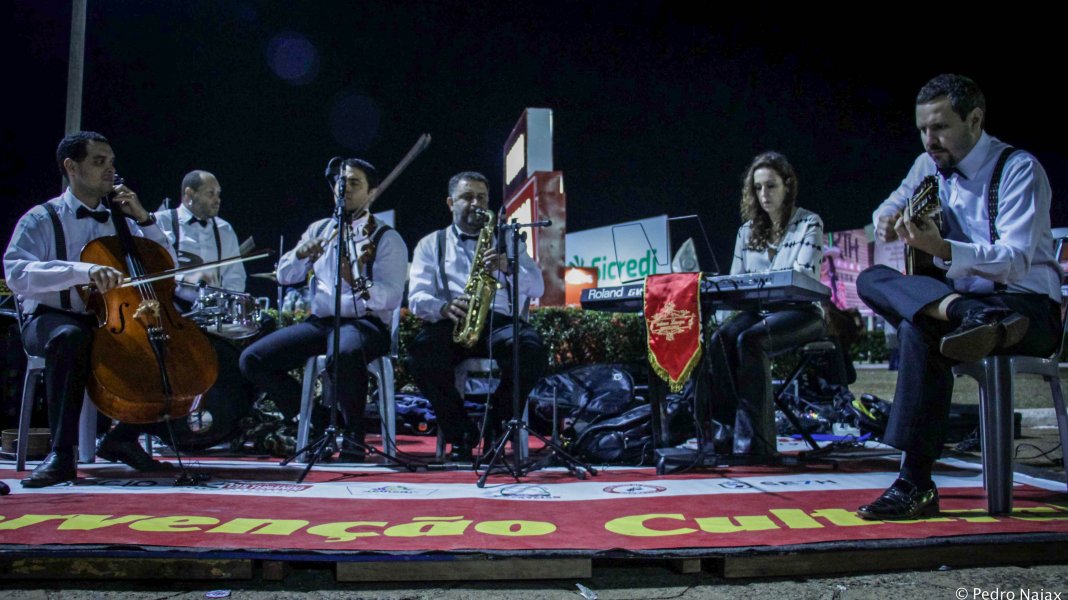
{"x":622,"y":252}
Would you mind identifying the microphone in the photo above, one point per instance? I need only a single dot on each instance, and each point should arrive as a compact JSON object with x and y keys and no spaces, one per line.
{"x":333,"y":178}
{"x":333,"y":168}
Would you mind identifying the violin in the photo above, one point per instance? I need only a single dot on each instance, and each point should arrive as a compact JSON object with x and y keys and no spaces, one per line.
{"x":368,"y":251}
{"x":148,"y":363}
{"x":367,"y":256}
{"x":364,"y":256}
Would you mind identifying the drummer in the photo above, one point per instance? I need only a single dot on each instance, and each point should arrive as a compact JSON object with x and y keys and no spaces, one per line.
{"x":198,"y":235}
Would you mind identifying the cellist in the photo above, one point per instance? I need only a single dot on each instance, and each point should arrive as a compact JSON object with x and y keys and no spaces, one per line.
{"x":42,"y":268}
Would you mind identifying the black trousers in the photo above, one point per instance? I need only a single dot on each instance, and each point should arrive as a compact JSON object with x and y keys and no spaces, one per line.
{"x":739,"y":366}
{"x":267,"y":362}
{"x":65,"y":340}
{"x":434,"y":356}
{"x":924,"y":391}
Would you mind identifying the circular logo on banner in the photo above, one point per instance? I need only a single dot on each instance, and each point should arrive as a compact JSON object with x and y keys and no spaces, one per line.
{"x":735,"y":485}
{"x":523,"y":491}
{"x":392,"y":489}
{"x":634,"y":489}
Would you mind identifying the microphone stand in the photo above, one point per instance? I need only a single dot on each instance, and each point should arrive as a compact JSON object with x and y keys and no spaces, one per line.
{"x":318,"y":448}
{"x":497,"y":462}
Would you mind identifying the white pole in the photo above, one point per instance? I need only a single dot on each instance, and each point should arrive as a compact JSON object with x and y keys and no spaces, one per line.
{"x":75,"y":70}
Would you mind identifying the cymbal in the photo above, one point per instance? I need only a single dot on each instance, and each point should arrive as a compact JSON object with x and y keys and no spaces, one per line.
{"x":267,"y":276}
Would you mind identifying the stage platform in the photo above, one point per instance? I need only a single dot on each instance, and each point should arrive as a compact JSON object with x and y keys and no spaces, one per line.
{"x":373,"y":523}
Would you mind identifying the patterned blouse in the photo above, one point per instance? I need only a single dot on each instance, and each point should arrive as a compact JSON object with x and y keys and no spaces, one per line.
{"x":801,"y":248}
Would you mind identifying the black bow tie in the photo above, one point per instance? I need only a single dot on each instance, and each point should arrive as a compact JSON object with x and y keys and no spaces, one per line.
{"x":193,"y":219}
{"x":101,"y":216}
{"x":948,"y":172}
{"x":465,"y":237}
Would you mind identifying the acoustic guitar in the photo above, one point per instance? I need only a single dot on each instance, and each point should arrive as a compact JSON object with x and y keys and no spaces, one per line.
{"x":924,"y":203}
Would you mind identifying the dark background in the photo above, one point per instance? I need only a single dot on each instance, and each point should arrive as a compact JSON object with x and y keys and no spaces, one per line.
{"x":658,"y":107}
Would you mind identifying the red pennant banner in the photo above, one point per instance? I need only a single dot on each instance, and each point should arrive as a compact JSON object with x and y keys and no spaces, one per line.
{"x":673,"y":325}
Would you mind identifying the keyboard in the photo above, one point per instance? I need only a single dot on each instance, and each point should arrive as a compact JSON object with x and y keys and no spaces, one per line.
{"x":744,"y":290}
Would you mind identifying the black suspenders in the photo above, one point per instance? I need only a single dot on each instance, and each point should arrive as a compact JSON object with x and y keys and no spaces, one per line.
{"x":441,"y":264}
{"x":994,"y":190}
{"x":992,"y":193}
{"x":61,"y":250}
{"x":176,"y":227}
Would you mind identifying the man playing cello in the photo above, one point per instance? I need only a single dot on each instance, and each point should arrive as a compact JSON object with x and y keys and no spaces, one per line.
{"x":42,"y":268}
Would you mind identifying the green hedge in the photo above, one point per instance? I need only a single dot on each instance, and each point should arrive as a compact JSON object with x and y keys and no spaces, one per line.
{"x":871,"y":348}
{"x":572,"y":336}
{"x":577,"y":337}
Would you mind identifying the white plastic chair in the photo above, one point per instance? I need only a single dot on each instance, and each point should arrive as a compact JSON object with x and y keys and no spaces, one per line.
{"x":380,"y":368}
{"x":475,"y":377}
{"x":35,"y":366}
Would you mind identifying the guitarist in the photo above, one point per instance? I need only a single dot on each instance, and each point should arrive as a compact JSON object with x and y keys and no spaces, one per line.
{"x":1002,"y":289}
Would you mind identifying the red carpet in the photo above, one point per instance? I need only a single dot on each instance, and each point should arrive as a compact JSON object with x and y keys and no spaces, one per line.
{"x":255,"y":505}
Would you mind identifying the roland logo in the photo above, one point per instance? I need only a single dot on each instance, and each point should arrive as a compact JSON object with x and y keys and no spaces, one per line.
{"x":612,"y":293}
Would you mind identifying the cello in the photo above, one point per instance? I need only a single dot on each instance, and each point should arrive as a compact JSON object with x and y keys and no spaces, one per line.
{"x":148,"y":362}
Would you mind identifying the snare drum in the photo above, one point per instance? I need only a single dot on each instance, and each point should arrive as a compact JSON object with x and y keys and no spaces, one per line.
{"x":227,"y":314}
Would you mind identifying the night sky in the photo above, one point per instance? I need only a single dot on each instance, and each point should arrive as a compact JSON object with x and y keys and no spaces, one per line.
{"x":658,"y":108}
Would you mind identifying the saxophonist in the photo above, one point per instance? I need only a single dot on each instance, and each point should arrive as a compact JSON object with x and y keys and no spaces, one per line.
{"x":443,"y":263}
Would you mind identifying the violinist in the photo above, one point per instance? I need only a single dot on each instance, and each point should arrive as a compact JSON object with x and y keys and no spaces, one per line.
{"x":42,"y":268}
{"x":379,"y":256}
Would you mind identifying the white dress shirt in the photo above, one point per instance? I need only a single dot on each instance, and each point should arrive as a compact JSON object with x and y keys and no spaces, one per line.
{"x":1022,"y":257}
{"x":390,"y":266}
{"x":199,"y":240}
{"x":30,"y":263}
{"x":801,"y":248}
{"x":426,"y":295}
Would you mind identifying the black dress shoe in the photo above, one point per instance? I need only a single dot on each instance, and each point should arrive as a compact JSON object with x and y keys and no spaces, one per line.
{"x":352,"y":449}
{"x":130,"y":453}
{"x":901,"y":501}
{"x":55,"y":468}
{"x":983,"y":331}
{"x":461,"y":453}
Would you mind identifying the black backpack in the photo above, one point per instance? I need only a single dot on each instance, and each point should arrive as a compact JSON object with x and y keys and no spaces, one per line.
{"x":627,"y":438}
{"x":584,"y":395}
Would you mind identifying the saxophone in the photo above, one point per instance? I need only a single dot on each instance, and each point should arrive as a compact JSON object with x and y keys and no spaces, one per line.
{"x":480,"y":289}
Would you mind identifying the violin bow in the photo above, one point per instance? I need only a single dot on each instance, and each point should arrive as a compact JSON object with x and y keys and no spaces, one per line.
{"x":131,"y":281}
{"x":420,"y":145}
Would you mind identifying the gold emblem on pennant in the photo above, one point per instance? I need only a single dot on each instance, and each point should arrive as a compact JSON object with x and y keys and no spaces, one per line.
{"x":669,"y":322}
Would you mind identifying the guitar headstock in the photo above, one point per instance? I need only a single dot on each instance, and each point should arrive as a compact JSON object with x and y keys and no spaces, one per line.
{"x":924,"y":202}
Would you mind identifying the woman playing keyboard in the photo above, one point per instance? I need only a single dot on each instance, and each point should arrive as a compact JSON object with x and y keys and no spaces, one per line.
{"x":776,"y":235}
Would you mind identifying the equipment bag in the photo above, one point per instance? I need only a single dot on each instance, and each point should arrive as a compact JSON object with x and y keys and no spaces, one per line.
{"x":627,"y":438}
